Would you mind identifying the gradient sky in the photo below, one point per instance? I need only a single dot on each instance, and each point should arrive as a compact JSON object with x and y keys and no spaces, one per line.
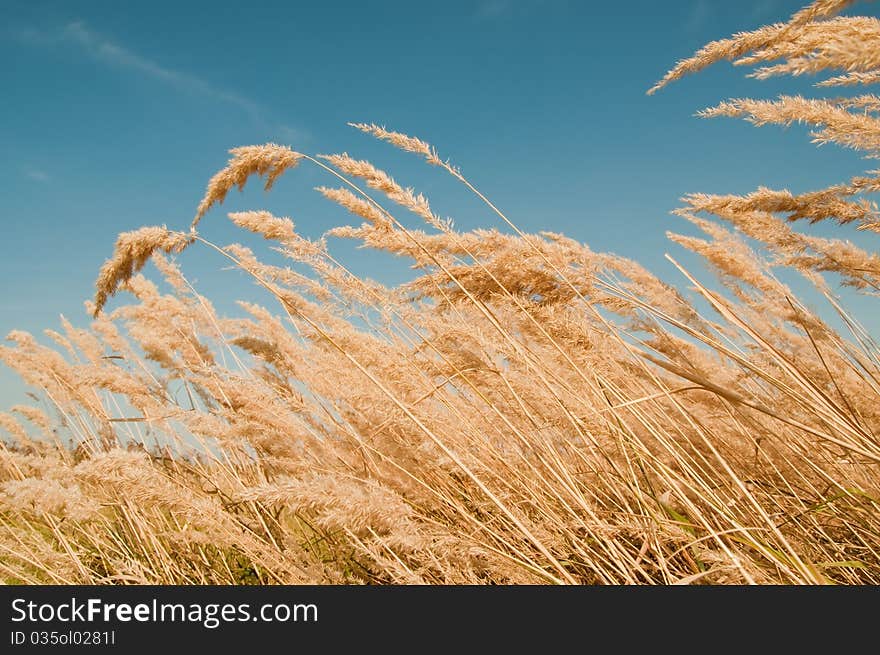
{"x":114,"y":115}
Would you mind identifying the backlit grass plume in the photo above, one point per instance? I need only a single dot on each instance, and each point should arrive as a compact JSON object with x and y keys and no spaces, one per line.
{"x":269,"y":160}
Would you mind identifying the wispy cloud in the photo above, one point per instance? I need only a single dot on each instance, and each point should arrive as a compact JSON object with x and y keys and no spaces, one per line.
{"x":290,"y":134}
{"x":118,"y":55}
{"x":111,"y":53}
{"x":36,"y":174}
{"x":503,"y":10}
{"x":698,"y":17}
{"x":492,"y":9}
{"x":764,"y":8}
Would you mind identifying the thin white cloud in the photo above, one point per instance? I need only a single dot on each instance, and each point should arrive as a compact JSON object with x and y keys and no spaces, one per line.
{"x":112,"y":53}
{"x":764,"y":8}
{"x":698,"y":17}
{"x":106,"y":51}
{"x":36,"y":174}
{"x":492,"y":9}
{"x":290,"y":135}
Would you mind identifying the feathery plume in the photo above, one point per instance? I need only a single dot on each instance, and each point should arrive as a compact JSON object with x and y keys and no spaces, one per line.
{"x":270,"y":160}
{"x":131,"y":252}
{"x":851,"y":79}
{"x":848,"y":44}
{"x":819,"y":9}
{"x":402,"y":141}
{"x":381,"y":181}
{"x":858,"y":131}
{"x":356,"y":205}
{"x":744,"y":42}
{"x":262,"y":222}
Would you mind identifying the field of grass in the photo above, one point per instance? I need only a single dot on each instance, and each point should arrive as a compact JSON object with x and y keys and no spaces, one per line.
{"x":523,"y":410}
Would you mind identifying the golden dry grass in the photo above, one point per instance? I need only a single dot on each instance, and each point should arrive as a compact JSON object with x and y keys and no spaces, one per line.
{"x":525,"y":410}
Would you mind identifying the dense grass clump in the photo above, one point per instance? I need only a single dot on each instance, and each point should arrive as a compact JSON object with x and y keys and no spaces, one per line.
{"x":524,"y":410}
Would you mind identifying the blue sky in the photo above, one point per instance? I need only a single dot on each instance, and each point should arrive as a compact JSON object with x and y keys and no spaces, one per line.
{"x":114,"y":116}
